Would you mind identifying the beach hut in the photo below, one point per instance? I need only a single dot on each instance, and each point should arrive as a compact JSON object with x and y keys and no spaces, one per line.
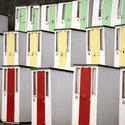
{"x":34,"y":17}
{"x":16,"y":94}
{"x":122,"y":96}
{"x":14,"y":52}
{"x":95,"y":95}
{"x":40,"y":48}
{"x":119,"y":48}
{"x":49,"y":15}
{"x":70,"y":47}
{"x":118,"y":15}
{"x":81,"y":14}
{"x":102,"y":11}
{"x":51,"y":96}
{"x":21,"y":15}
{"x":64,"y":15}
{"x":100,"y":45}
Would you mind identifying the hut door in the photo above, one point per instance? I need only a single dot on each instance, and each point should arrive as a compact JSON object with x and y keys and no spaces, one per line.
{"x":35,"y":19}
{"x":52,"y":18}
{"x":10,"y":95}
{"x":10,"y":48}
{"x":122,"y":46}
{"x":68,"y":15}
{"x":41,"y":98}
{"x":85,"y":89}
{"x":33,"y":49}
{"x":95,"y":46}
{"x":23,"y":19}
{"x":62,"y":49}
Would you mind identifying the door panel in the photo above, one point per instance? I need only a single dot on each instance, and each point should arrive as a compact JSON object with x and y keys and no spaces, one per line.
{"x":10,"y":95}
{"x":123,"y":13}
{"x":10,"y":49}
{"x":68,"y":15}
{"x":122,"y":46}
{"x":85,"y":90}
{"x":41,"y":98}
{"x":23,"y":19}
{"x":83,"y":19}
{"x":36,"y":19}
{"x":33,"y":49}
{"x":52,"y":18}
{"x":62,"y":49}
{"x":107,"y":8}
{"x":95,"y":46}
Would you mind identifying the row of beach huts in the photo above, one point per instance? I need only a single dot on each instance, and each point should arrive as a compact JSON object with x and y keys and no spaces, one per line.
{"x":64,"y":64}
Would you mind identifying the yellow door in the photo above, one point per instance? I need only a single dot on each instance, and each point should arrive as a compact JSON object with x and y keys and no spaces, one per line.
{"x":33,"y":49}
{"x":10,"y":48}
{"x":122,"y":46}
{"x":95,"y":46}
{"x":62,"y":49}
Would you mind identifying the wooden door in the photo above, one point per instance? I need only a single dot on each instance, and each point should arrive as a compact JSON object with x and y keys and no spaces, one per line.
{"x":40,"y":98}
{"x":85,"y":91}
{"x":10,"y":95}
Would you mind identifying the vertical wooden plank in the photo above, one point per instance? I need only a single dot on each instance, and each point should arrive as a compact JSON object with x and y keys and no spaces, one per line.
{"x":33,"y":49}
{"x":85,"y":90}
{"x":41,"y":98}
{"x":10,"y":48}
{"x":62,"y":49}
{"x":22,"y":25}
{"x":122,"y":46}
{"x":83,"y":17}
{"x":107,"y":8}
{"x":95,"y":46}
{"x":36,"y":19}
{"x":52,"y":18}
{"x":10,"y":95}
{"x":68,"y":15}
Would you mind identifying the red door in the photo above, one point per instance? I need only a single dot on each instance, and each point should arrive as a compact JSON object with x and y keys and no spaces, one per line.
{"x":85,"y":89}
{"x":10,"y":95}
{"x":41,"y":98}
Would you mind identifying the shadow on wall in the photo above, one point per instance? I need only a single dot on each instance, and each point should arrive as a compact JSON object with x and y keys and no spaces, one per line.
{"x":7,"y":7}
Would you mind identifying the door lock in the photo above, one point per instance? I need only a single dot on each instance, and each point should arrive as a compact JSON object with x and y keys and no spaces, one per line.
{"x":61,"y":53}
{"x":83,"y":97}
{"x":10,"y":95}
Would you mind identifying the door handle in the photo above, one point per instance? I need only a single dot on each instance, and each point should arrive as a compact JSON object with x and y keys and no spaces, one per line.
{"x":52,"y":21}
{"x":123,"y":51}
{"x":9,"y":54}
{"x":95,"y":54}
{"x":32,"y":54}
{"x":10,"y":95}
{"x":61,"y":53}
{"x":83,"y":97}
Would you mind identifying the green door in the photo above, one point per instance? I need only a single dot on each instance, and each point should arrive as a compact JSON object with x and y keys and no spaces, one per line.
{"x":22,"y":25}
{"x":68,"y":15}
{"x":107,"y":8}
{"x":83,"y":17}
{"x":52,"y":18}
{"x":36,"y":19}
{"x":123,"y":13}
